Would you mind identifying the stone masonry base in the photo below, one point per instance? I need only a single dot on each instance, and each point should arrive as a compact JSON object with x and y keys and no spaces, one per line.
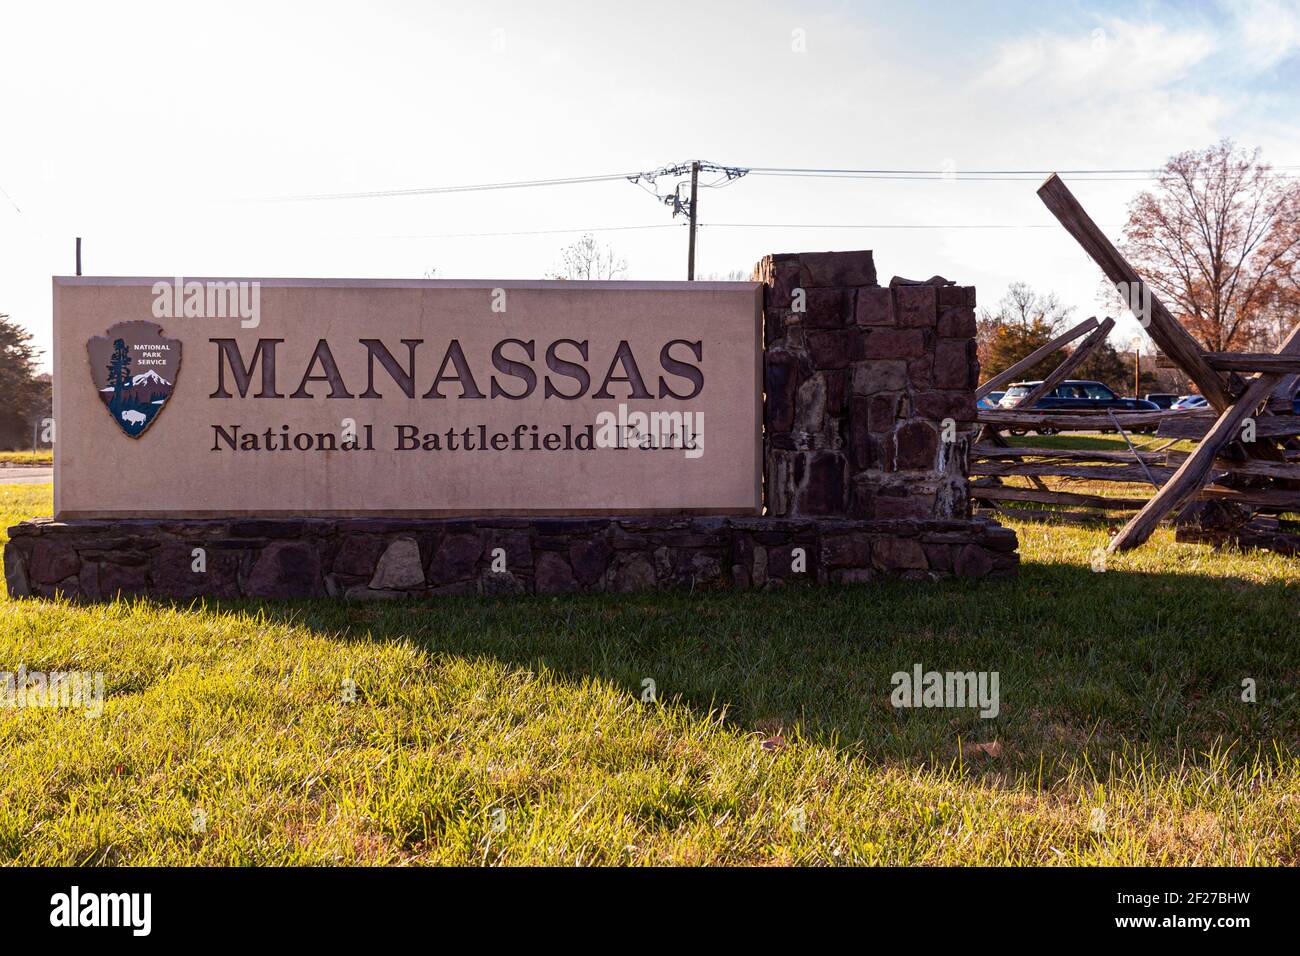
{"x":374,"y":558}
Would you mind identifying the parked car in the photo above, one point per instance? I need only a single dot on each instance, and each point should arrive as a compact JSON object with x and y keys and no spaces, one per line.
{"x":1073,"y":395}
{"x":990,"y":400}
{"x":1189,"y":402}
{"x":1162,"y":399}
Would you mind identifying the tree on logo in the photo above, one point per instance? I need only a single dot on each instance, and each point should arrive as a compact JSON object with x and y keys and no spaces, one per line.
{"x":119,"y":373}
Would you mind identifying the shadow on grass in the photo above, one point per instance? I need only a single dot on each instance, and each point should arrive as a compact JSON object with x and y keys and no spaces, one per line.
{"x":1091,"y":666}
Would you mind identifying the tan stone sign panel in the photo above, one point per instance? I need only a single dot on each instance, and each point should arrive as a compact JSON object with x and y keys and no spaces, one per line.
{"x":206,"y":397}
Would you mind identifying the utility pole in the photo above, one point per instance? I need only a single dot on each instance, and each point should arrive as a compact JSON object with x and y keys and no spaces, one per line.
{"x":78,"y":255}
{"x":1137,"y":366}
{"x":690,"y":250}
{"x":674,"y":200}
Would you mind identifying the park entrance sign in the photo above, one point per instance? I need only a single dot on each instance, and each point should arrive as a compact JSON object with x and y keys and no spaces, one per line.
{"x":414,"y":398}
{"x":373,"y":440}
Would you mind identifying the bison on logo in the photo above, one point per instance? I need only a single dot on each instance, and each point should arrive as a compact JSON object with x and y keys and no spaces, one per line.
{"x":134,"y":370}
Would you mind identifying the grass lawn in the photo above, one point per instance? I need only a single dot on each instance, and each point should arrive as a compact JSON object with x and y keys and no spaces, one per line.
{"x":26,"y":457}
{"x":513,"y":731}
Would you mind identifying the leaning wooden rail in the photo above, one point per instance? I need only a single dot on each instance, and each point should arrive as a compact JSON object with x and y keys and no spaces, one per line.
{"x":1252,"y":362}
{"x":1253,"y":474}
{"x":1068,"y":365}
{"x":1062,"y":419}
{"x":1195,"y":427}
{"x":1194,"y":472}
{"x":1174,"y":340}
{"x":988,"y":450}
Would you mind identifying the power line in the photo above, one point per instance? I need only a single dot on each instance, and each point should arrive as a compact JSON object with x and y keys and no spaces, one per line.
{"x":681,"y":206}
{"x":11,"y":199}
{"x":733,"y":225}
{"x":792,"y":170}
{"x":956,"y":177}
{"x":883,"y":225}
{"x":539,"y":232}
{"x":438,"y":190}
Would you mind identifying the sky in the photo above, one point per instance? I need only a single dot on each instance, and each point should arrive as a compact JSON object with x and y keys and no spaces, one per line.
{"x":170,"y":136}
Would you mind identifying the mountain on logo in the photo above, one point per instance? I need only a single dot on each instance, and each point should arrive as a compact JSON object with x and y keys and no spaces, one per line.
{"x":149,"y":379}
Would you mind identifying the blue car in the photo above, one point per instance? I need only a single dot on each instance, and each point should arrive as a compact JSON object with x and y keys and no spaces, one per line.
{"x":1074,"y":395}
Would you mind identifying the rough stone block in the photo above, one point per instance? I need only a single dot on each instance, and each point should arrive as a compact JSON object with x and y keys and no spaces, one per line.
{"x":53,"y":561}
{"x":400,"y":568}
{"x":915,"y":306}
{"x":455,"y":559}
{"x":358,"y":554}
{"x":917,"y":446}
{"x":822,"y":269}
{"x":834,"y":348}
{"x":938,"y":405}
{"x":828,"y":308}
{"x":898,"y":554}
{"x":954,"y":363}
{"x":882,"y":412}
{"x":781,"y":376}
{"x":589,"y":560}
{"x":886,"y":343}
{"x":285,"y":569}
{"x":957,"y":323}
{"x":957,"y":295}
{"x":125,"y":580}
{"x":553,"y":575}
{"x":973,"y":562}
{"x":874,"y":307}
{"x":846,"y":550}
{"x":880,"y":375}
{"x":633,"y":571}
{"x":16,"y":580}
{"x":823,"y":489}
{"x":784,"y":279}
{"x":914,"y":505}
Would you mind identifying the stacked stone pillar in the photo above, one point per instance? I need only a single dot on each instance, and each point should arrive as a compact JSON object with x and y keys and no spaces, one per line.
{"x":869,"y":396}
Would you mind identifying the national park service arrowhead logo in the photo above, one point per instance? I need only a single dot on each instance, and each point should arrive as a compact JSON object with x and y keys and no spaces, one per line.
{"x":134,"y":369}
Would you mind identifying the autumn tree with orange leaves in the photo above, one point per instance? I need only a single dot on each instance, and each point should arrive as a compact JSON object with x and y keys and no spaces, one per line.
{"x":1218,"y":240}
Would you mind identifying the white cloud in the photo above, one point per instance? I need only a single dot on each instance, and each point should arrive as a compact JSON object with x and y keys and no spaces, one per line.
{"x":1267,"y":32}
{"x":1116,"y":56}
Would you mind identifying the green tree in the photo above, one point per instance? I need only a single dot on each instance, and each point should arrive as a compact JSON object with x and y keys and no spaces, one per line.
{"x":1023,"y":321}
{"x":1106,"y":365}
{"x":18,"y":388}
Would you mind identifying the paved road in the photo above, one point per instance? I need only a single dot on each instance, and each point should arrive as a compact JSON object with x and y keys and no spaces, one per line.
{"x":26,"y":476}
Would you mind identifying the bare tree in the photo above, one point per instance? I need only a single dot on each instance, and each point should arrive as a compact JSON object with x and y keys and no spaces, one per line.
{"x":1025,"y":306}
{"x":588,"y":259}
{"x":1023,"y":320}
{"x":1219,"y":241}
